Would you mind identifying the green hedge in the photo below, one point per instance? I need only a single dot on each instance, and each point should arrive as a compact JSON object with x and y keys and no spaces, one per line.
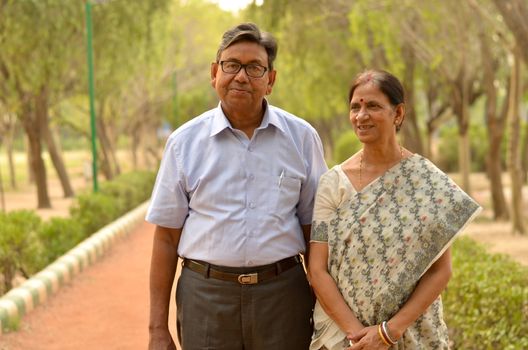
{"x":27,"y":244}
{"x":486,"y":301}
{"x":19,"y":245}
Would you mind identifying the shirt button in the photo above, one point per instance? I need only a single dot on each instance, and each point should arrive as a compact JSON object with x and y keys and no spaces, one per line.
{"x":251,"y":177}
{"x":252,"y":205}
{"x":250,"y":149}
{"x":250,"y":263}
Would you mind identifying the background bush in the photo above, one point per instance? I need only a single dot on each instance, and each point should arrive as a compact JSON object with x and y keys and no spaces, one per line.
{"x":27,"y":244}
{"x":19,"y":245}
{"x":346,"y":145}
{"x":486,"y":301}
{"x":57,"y":236}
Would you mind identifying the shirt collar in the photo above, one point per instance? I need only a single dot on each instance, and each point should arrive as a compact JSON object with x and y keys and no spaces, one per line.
{"x":220,"y":121}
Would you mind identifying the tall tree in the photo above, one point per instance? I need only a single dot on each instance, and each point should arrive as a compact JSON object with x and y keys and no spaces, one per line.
{"x":35,"y":61}
{"x":441,"y":37}
{"x":514,"y":158}
{"x":492,"y":48}
{"x":121,"y":31}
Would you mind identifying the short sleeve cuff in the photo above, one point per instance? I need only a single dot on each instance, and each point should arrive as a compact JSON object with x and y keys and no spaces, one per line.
{"x":319,"y":231}
{"x":169,"y":217}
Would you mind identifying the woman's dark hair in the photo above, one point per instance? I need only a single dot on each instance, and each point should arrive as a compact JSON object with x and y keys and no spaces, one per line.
{"x":249,"y":32}
{"x":388,"y":84}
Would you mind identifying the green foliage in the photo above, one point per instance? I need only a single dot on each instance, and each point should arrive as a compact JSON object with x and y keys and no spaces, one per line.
{"x":58,"y":235}
{"x":486,"y":302}
{"x":448,"y":148}
{"x":27,"y":244}
{"x":346,"y":145}
{"x":129,"y":190}
{"x":19,"y":245}
{"x":94,"y":210}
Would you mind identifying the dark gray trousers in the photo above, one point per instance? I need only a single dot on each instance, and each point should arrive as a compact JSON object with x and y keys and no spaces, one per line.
{"x":220,"y":315}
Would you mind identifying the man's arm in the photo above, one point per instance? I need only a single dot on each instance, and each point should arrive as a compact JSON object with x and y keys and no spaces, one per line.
{"x":306,"y":233}
{"x":162,"y":270}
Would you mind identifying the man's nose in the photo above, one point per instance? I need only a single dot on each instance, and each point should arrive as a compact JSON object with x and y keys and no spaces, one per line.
{"x":241,"y":75}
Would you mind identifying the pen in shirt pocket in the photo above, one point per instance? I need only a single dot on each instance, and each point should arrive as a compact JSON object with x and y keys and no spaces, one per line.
{"x":281,"y":177}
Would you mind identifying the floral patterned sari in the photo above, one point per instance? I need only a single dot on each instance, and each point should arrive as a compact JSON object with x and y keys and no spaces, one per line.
{"x":382,"y":240}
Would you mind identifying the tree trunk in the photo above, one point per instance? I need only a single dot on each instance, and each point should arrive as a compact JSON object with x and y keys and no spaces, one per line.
{"x":30,"y":174}
{"x":55,"y":155}
{"x":464,"y":158}
{"x":494,"y":171}
{"x":525,"y":155}
{"x":324,"y":129}
{"x":514,"y":159}
{"x":9,"y":140}
{"x":495,"y":125}
{"x":104,"y":159}
{"x":461,"y":108}
{"x":34,"y":136}
{"x":412,"y":139}
{"x":135,"y":146}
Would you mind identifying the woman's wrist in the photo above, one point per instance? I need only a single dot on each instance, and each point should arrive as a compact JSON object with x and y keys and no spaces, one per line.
{"x":394,"y":330}
{"x":353,"y":328}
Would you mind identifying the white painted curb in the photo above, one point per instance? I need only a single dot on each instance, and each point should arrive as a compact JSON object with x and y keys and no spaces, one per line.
{"x":22,"y":299}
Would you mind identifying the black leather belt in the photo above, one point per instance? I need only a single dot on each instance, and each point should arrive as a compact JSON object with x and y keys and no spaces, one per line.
{"x":258,"y":274}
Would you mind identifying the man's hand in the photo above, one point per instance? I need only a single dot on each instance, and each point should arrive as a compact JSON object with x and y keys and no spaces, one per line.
{"x":161,"y":340}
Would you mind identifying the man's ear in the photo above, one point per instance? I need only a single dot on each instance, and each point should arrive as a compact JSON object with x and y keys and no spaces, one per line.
{"x":214,"y":71}
{"x":271,"y":80}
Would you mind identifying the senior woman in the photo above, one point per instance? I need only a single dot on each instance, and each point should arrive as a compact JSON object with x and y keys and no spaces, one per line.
{"x":383,"y":223}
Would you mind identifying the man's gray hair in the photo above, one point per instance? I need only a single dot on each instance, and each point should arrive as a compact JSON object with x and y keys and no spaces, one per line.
{"x":251,"y":33}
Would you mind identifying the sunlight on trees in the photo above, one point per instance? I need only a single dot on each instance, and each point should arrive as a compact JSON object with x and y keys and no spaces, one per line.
{"x":152,"y":62}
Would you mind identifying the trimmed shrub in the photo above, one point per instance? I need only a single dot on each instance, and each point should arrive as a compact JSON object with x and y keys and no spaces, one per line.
{"x":28,"y":245}
{"x":130,"y":189}
{"x":486,"y":302}
{"x":19,"y":245}
{"x":58,"y":235}
{"x":93,"y":211}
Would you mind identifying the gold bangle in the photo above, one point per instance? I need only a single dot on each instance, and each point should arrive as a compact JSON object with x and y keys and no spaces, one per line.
{"x":382,"y":337}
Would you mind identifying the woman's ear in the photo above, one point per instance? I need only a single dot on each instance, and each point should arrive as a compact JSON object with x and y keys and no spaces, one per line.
{"x":400,"y":115}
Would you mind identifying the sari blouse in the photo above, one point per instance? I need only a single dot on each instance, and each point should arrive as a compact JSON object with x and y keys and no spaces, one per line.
{"x":381,"y":241}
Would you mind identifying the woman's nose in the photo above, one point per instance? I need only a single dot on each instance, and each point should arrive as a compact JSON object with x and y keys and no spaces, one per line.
{"x":362,"y":114}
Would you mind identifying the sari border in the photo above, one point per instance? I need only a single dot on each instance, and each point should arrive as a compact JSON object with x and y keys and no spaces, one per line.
{"x":452,"y":239}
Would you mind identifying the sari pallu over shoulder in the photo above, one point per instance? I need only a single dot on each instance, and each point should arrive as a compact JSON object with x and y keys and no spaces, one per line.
{"x":383,"y":239}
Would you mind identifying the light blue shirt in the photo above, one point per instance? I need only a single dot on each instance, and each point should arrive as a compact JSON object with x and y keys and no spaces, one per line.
{"x":240,"y":202}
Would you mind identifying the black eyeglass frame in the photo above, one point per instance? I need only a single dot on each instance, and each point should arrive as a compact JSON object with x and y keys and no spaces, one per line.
{"x":221,"y":63}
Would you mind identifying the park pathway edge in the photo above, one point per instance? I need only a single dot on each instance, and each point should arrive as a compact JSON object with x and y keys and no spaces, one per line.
{"x":37,"y":289}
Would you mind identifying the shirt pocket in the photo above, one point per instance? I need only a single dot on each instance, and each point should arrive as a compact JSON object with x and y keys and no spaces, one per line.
{"x":287,"y":195}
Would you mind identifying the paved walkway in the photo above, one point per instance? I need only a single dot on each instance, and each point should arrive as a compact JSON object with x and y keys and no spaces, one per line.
{"x":104,"y":307}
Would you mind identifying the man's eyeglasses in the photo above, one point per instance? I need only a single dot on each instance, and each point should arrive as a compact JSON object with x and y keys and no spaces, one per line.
{"x":253,"y":70}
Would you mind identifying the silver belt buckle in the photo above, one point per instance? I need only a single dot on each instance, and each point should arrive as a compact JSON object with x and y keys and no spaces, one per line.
{"x":250,"y":278}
